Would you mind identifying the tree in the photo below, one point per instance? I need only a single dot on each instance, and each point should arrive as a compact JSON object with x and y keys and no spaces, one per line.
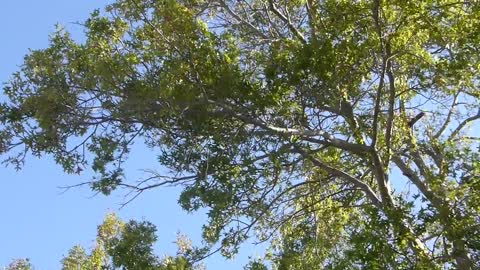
{"x":77,"y":259}
{"x":20,"y":264}
{"x":121,"y":245}
{"x":294,"y":122}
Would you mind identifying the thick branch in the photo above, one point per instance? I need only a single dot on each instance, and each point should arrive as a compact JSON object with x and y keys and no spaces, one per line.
{"x":391,"y":101}
{"x":382,"y":179}
{"x":376,"y":112}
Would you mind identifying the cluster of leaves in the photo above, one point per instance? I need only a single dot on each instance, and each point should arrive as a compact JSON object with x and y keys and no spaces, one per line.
{"x":20,"y":264}
{"x":122,"y":245}
{"x":288,"y":120}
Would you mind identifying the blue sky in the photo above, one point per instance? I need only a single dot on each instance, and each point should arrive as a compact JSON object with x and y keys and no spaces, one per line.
{"x":36,"y":220}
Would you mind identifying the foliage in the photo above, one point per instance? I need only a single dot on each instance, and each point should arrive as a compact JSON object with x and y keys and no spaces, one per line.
{"x":292,"y":122}
{"x":20,"y":264}
{"x":122,"y":245}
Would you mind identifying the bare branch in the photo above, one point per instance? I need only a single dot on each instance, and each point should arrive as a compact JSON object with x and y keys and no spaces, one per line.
{"x":241,"y":20}
{"x":463,"y":124}
{"x":286,"y":20}
{"x":449,"y":116}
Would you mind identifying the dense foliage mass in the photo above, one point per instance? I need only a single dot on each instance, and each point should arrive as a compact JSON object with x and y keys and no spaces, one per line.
{"x":121,"y":245}
{"x":297,"y":123}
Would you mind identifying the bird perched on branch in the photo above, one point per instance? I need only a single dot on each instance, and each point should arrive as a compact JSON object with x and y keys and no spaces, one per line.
{"x":415,"y":119}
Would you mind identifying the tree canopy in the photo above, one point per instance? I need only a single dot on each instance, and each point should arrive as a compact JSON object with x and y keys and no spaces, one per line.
{"x":122,"y":245}
{"x":20,"y":264}
{"x":296,"y":123}
{"x":125,"y":245}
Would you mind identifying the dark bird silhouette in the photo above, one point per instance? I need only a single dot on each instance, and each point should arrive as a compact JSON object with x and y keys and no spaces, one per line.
{"x":415,"y":119}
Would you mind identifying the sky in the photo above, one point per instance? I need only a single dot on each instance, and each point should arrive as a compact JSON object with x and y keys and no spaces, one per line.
{"x":38,"y":220}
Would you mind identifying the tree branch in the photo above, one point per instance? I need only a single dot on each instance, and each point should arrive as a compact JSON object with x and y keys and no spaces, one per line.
{"x":376,"y":18}
{"x":287,"y":21}
{"x":449,"y":116}
{"x":347,"y":177}
{"x":391,"y":101}
{"x":306,"y":134}
{"x":463,"y":124}
{"x":412,"y":175}
{"x":239,"y":19}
